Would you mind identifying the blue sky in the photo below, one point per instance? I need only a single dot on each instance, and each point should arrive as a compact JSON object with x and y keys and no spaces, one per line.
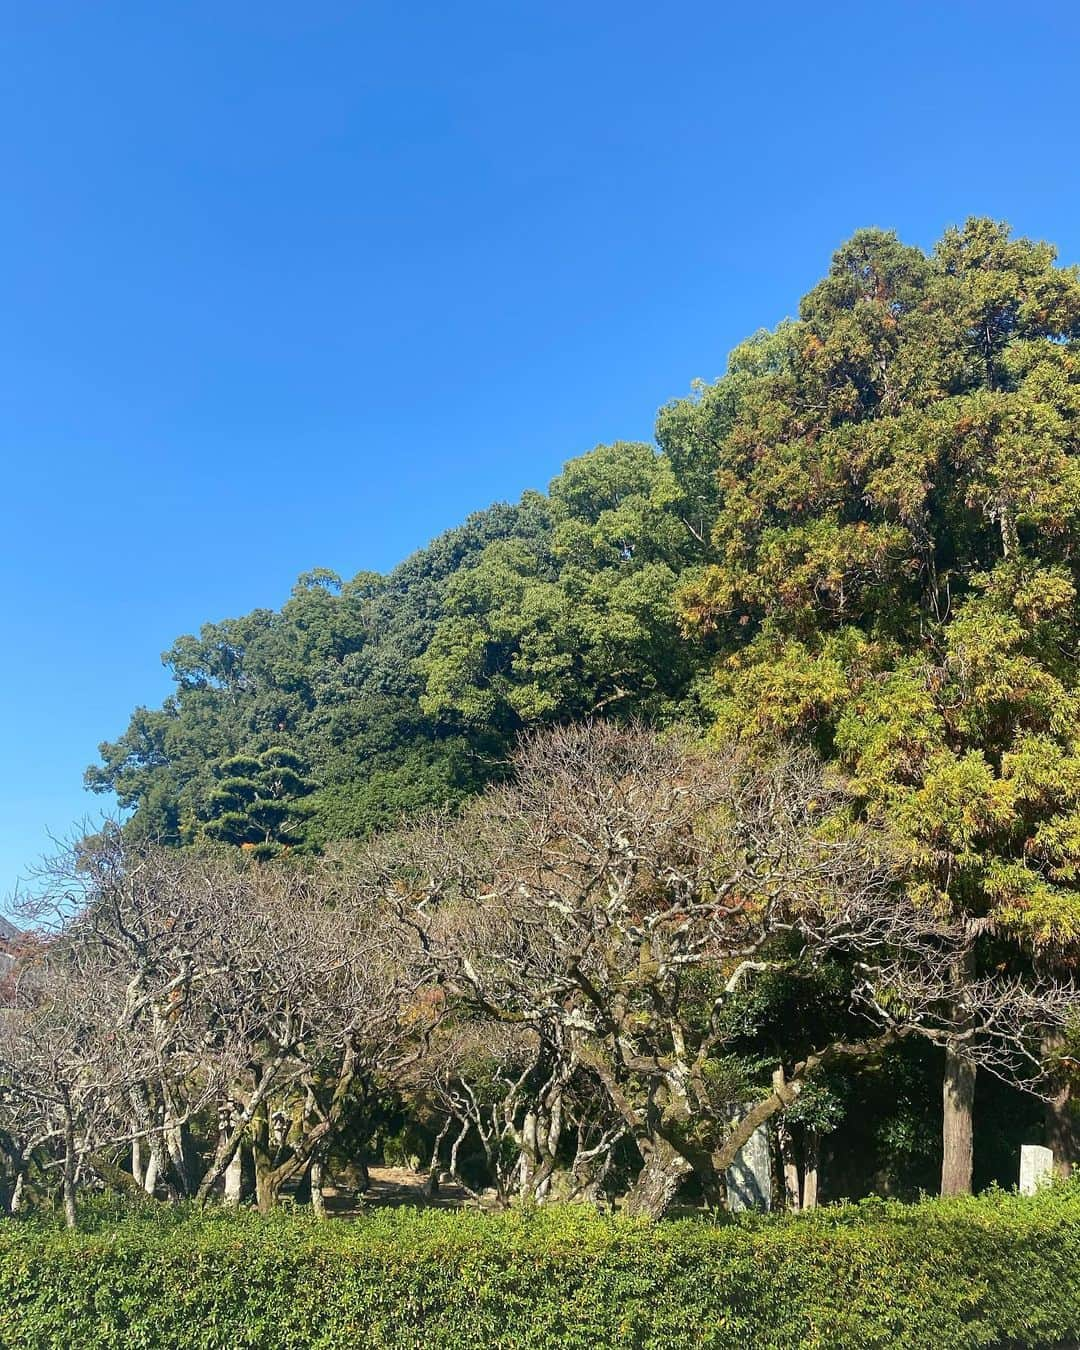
{"x":290,"y":285}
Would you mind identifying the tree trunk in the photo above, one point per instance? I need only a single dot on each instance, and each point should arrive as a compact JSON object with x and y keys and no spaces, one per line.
{"x":137,"y":1173}
{"x":18,"y":1193}
{"x":786,"y":1146}
{"x":658,"y":1182}
{"x":265,"y":1190}
{"x":1060,"y":1119}
{"x":150,"y":1176}
{"x":157,"y":1167}
{"x":234,"y":1178}
{"x":530,"y":1152}
{"x":1060,"y":1126}
{"x":1061,"y":1133}
{"x":318,"y":1200}
{"x":958,"y":1102}
{"x":431,"y":1185}
{"x":112,"y":1174}
{"x":70,"y":1218}
{"x":174,"y":1142}
{"x":810,"y":1169}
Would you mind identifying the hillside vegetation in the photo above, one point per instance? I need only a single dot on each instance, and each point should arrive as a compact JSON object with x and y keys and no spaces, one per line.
{"x":865,"y":535}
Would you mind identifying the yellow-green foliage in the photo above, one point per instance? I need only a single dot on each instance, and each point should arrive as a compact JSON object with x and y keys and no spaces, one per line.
{"x":894,"y":556}
{"x":958,"y":1273}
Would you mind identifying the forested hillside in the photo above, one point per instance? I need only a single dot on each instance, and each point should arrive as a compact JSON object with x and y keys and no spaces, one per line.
{"x":865,"y":533}
{"x":864,"y":540}
{"x":359,"y":701}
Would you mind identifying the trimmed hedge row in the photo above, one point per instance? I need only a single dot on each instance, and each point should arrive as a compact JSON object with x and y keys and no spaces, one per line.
{"x":957,"y":1273}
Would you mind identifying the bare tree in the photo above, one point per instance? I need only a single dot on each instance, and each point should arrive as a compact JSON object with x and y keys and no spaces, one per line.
{"x":629,"y":889}
{"x":67,"y":1065}
{"x":539,"y":1115}
{"x":261,"y":997}
{"x":566,"y":969}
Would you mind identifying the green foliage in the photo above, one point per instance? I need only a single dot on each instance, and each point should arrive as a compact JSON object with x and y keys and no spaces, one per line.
{"x":402,"y":691}
{"x":962,"y":1273}
{"x":579,"y":620}
{"x":333,"y":676}
{"x":259,"y":802}
{"x":866,"y":534}
{"x":897,"y":550}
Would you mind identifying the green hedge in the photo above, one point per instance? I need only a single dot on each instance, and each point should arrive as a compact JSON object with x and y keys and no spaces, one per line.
{"x":998,"y":1269}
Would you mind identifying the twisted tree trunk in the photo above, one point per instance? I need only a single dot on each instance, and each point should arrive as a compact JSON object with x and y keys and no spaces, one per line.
{"x":658,"y":1182}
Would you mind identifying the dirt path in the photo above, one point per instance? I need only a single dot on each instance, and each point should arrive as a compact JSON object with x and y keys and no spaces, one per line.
{"x":391,"y":1187}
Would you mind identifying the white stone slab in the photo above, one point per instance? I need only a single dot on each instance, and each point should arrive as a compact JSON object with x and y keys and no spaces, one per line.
{"x":1036,"y":1167}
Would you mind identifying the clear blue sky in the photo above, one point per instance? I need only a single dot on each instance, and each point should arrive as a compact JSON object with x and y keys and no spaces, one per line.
{"x":299,"y":284}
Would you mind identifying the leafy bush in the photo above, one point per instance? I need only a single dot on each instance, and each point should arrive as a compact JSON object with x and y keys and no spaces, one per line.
{"x":966,"y":1272}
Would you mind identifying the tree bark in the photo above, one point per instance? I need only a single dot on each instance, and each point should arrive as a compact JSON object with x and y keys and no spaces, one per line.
{"x":658,"y":1182}
{"x":1060,"y":1120}
{"x":318,"y":1200}
{"x":810,"y":1169}
{"x":265,"y":1190}
{"x":786,"y":1146}
{"x":18,"y":1193}
{"x":529,"y":1153}
{"x":150,"y":1176}
{"x":157,"y":1167}
{"x":1061,"y":1132}
{"x":234,"y":1178}
{"x":783,"y":1094}
{"x":70,"y":1218}
{"x":958,"y":1109}
{"x":112,"y":1174}
{"x":431,"y":1185}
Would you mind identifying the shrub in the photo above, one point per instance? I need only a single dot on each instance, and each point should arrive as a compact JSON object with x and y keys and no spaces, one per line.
{"x":957,"y":1273}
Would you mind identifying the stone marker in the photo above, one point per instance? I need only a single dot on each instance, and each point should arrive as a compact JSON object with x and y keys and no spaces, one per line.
{"x":1036,"y":1167}
{"x":749,"y":1178}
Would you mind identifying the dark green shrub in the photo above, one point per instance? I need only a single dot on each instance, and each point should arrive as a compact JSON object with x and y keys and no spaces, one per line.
{"x":958,"y":1273}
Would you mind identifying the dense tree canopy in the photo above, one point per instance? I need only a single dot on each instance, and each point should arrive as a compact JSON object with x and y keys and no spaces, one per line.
{"x":332,"y":678}
{"x":398,"y":692}
{"x":866,"y":532}
{"x":597,"y":980}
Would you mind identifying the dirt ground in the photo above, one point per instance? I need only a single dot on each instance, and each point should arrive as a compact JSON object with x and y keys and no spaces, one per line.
{"x":391,"y":1187}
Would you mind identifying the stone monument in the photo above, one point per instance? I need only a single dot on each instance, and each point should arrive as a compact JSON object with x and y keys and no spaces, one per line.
{"x":749,"y":1178}
{"x":1036,"y":1167}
